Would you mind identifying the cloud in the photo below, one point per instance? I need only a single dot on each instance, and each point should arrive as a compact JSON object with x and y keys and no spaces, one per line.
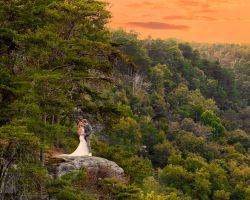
{"x":148,"y":4}
{"x":222,"y":1}
{"x":199,"y":6}
{"x":188,"y":4}
{"x":148,"y":15}
{"x":206,"y":6}
{"x":202,"y":18}
{"x":191,"y":3}
{"x":158,"y":25}
{"x":142,"y":4}
{"x":179,"y":17}
{"x":204,"y":3}
{"x":205,"y":10}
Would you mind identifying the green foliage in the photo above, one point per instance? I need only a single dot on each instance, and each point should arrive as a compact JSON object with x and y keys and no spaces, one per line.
{"x":62,"y":190}
{"x":162,"y":152}
{"x":19,"y":165}
{"x":240,"y":192}
{"x":218,"y":177}
{"x":71,"y":186}
{"x":221,"y":195}
{"x":135,"y":167}
{"x":153,"y":196}
{"x":202,"y":186}
{"x":239,"y":136}
{"x":193,"y":163}
{"x":120,"y":191}
{"x":150,"y":184}
{"x":190,"y":103}
{"x":209,"y":118}
{"x":156,"y":100}
{"x":126,"y":133}
{"x":188,"y":142}
{"x":131,"y":46}
{"x":150,"y":135}
{"x":176,"y":176}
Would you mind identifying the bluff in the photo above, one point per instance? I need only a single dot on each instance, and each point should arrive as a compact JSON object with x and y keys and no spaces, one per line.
{"x":96,"y":168}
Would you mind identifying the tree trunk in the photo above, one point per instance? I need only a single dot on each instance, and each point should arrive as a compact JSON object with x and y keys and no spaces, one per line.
{"x":4,"y":176}
{"x":3,"y":185}
{"x":42,"y":156}
{"x":53,"y":120}
{"x":57,"y":138}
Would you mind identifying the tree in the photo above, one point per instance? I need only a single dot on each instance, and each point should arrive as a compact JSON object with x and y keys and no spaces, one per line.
{"x":120,"y":191}
{"x":150,"y":135}
{"x":164,"y":52}
{"x":137,"y":168}
{"x":221,"y":195}
{"x":194,"y":163}
{"x":150,"y":184}
{"x":187,"y":142}
{"x":161,"y":79}
{"x":239,"y":136}
{"x":127,"y":134}
{"x":202,"y":186}
{"x":131,"y":46}
{"x":19,"y":160}
{"x":218,"y":177}
{"x":162,"y":151}
{"x":176,"y":176}
{"x":209,"y":118}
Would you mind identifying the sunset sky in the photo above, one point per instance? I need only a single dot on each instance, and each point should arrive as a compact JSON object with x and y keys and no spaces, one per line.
{"x":192,"y":20}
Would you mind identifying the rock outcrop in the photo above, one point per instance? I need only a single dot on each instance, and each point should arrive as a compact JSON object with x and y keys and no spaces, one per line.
{"x":96,"y":168}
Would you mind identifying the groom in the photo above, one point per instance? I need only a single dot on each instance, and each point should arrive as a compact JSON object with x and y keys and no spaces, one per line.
{"x":88,"y":134}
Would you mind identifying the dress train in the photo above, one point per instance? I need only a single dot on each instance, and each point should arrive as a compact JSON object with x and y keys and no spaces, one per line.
{"x":82,"y":149}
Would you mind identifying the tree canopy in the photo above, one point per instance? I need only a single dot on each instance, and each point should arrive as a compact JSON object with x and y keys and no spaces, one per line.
{"x":173,"y":115}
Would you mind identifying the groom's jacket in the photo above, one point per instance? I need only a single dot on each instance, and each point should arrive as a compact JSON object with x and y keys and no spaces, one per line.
{"x":88,"y":130}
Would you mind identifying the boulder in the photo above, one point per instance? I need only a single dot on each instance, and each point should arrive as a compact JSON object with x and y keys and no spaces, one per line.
{"x":96,"y":168}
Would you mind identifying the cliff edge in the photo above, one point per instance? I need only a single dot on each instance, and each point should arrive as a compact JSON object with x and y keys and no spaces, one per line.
{"x":96,"y":168}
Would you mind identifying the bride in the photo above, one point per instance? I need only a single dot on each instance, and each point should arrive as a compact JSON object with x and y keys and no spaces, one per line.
{"x":82,"y":149}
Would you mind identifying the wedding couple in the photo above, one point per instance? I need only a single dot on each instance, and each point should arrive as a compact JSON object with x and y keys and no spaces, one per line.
{"x":84,"y":131}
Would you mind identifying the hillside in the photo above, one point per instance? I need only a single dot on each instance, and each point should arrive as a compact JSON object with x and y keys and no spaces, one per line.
{"x":175,"y":119}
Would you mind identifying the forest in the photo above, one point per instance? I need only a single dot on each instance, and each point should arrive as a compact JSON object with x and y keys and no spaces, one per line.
{"x":175,"y":115}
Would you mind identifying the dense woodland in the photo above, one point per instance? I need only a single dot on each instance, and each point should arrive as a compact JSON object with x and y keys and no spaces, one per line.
{"x":176,"y":116}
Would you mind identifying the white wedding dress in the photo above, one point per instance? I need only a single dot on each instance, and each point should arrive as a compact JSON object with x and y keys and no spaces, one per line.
{"x":82,"y":149}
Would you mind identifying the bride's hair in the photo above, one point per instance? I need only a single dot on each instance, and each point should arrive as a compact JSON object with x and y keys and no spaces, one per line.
{"x":81,"y":119}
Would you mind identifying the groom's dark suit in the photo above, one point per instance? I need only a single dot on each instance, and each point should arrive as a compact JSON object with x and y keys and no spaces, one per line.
{"x":88,"y":134}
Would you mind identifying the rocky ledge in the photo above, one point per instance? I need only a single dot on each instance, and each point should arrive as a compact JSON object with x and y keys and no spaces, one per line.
{"x":96,"y":168}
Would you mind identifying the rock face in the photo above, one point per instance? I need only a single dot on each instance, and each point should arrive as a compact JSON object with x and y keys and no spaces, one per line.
{"x":95,"y":167}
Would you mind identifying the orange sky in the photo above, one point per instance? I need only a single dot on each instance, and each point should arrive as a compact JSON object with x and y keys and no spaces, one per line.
{"x":226,"y":21}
